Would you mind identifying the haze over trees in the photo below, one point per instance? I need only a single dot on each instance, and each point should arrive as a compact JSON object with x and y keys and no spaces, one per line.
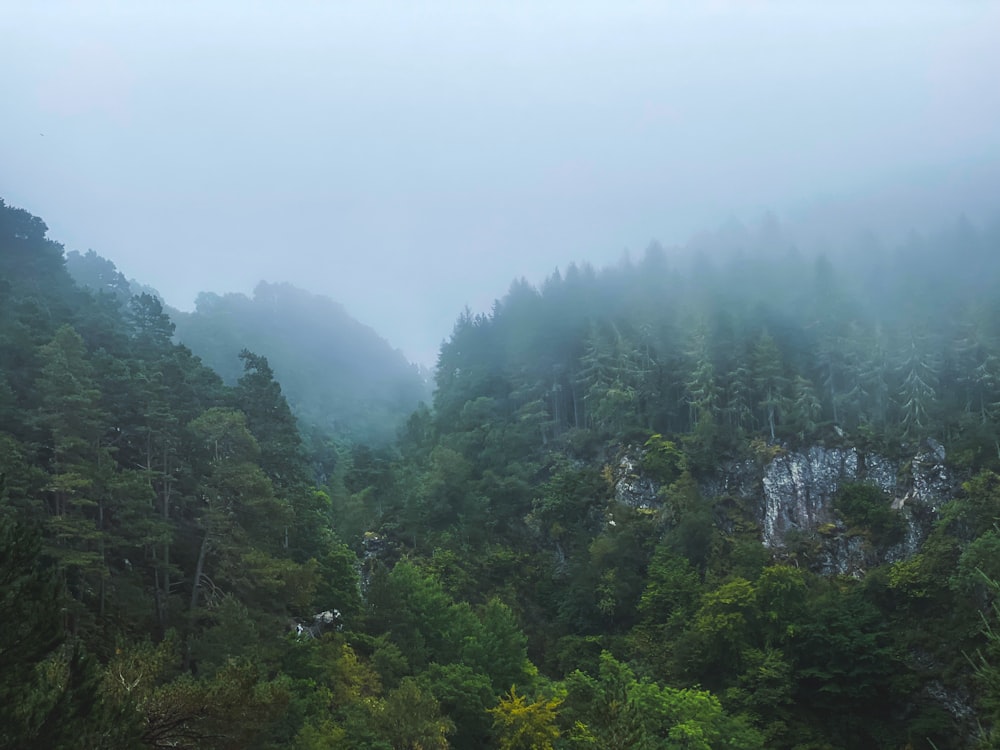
{"x":183,"y":569}
{"x":340,"y":378}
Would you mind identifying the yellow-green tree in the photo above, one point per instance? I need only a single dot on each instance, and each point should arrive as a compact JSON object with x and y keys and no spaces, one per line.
{"x":521,"y":725}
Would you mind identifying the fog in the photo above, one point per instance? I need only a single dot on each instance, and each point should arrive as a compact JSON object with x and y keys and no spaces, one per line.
{"x":411,"y":159}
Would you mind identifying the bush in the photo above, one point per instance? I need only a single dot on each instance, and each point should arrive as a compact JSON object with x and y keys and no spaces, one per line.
{"x":866,"y":507}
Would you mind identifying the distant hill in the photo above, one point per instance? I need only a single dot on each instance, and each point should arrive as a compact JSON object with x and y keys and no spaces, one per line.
{"x":338,"y":374}
{"x":99,"y":274}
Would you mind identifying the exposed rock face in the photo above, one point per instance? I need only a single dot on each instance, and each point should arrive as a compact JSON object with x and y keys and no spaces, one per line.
{"x":932,"y":484}
{"x":846,"y":555}
{"x":632,"y":487}
{"x":322,"y":622}
{"x":735,"y":479}
{"x":793,"y":493}
{"x":376,"y":548}
{"x":798,"y":488}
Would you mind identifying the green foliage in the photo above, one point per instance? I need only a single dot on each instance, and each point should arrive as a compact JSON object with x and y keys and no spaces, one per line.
{"x":420,"y":618}
{"x":615,"y":710}
{"x":499,"y":648}
{"x":865,"y":506}
{"x":465,"y":696}
{"x":190,"y":533}
{"x":662,"y":459}
{"x":691,"y":516}
{"x":668,"y":603}
{"x":338,"y":374}
{"x":852,"y":698}
{"x":50,"y":692}
{"x":520,"y":725}
{"x":410,"y":719}
{"x":986,"y":665}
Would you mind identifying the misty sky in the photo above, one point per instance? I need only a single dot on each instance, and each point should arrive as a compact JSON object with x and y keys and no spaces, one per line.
{"x":408,"y":159}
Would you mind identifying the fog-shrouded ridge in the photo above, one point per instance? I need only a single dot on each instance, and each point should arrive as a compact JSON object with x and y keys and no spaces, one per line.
{"x":339,"y":376}
{"x":407,"y":161}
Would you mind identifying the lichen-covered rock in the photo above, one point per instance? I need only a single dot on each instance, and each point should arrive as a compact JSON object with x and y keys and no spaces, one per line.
{"x":376,"y":548}
{"x":632,"y":487}
{"x":791,"y":493}
{"x":880,"y":471}
{"x":794,"y":491}
{"x":845,"y":555}
{"x":956,"y":702}
{"x":739,"y":479}
{"x":799,"y":488}
{"x":932,"y":484}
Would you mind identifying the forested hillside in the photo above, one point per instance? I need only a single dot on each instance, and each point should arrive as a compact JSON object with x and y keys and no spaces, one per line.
{"x":174,"y":575}
{"x":339,"y":376}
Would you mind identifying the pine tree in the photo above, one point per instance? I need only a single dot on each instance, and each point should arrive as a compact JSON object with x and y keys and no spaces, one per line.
{"x":702,"y":393}
{"x":769,"y":379}
{"x":72,"y":425}
{"x":917,"y":391}
{"x":50,"y":694}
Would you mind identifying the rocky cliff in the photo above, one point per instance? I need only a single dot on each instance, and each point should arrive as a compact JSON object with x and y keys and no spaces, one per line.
{"x":792,"y":492}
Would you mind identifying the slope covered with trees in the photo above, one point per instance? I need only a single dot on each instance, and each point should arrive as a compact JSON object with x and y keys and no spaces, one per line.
{"x":175,"y":575}
{"x":339,"y":376}
{"x":749,"y":350}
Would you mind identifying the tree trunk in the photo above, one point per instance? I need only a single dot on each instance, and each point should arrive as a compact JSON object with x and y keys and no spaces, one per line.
{"x":195,"y":589}
{"x":199,"y":570}
{"x":166,"y":545}
{"x":104,"y":563}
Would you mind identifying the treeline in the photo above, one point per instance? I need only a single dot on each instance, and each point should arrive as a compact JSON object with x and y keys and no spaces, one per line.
{"x":756,"y":339}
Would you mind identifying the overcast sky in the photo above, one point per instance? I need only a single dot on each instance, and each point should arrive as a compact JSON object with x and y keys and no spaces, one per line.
{"x":410,"y":158}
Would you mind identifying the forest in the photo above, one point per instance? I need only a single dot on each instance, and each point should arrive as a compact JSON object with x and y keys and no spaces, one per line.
{"x":191,"y":558}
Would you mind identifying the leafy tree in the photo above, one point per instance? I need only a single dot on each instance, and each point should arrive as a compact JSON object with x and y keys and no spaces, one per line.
{"x":520,"y":725}
{"x":72,"y":426}
{"x":410,"y":719}
{"x":616,"y":710}
{"x":465,"y":697}
{"x":97,"y":273}
{"x":851,"y":699}
{"x":49,"y":687}
{"x":865,"y":506}
{"x":152,"y":328}
{"x":722,"y":631}
{"x":242,"y":522}
{"x":500,"y":648}
{"x":419,"y":617}
{"x":672,"y":591}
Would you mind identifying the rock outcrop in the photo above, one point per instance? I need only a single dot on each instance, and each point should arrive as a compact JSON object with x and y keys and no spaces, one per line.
{"x":632,"y":486}
{"x":792,"y":494}
{"x":798,"y":488}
